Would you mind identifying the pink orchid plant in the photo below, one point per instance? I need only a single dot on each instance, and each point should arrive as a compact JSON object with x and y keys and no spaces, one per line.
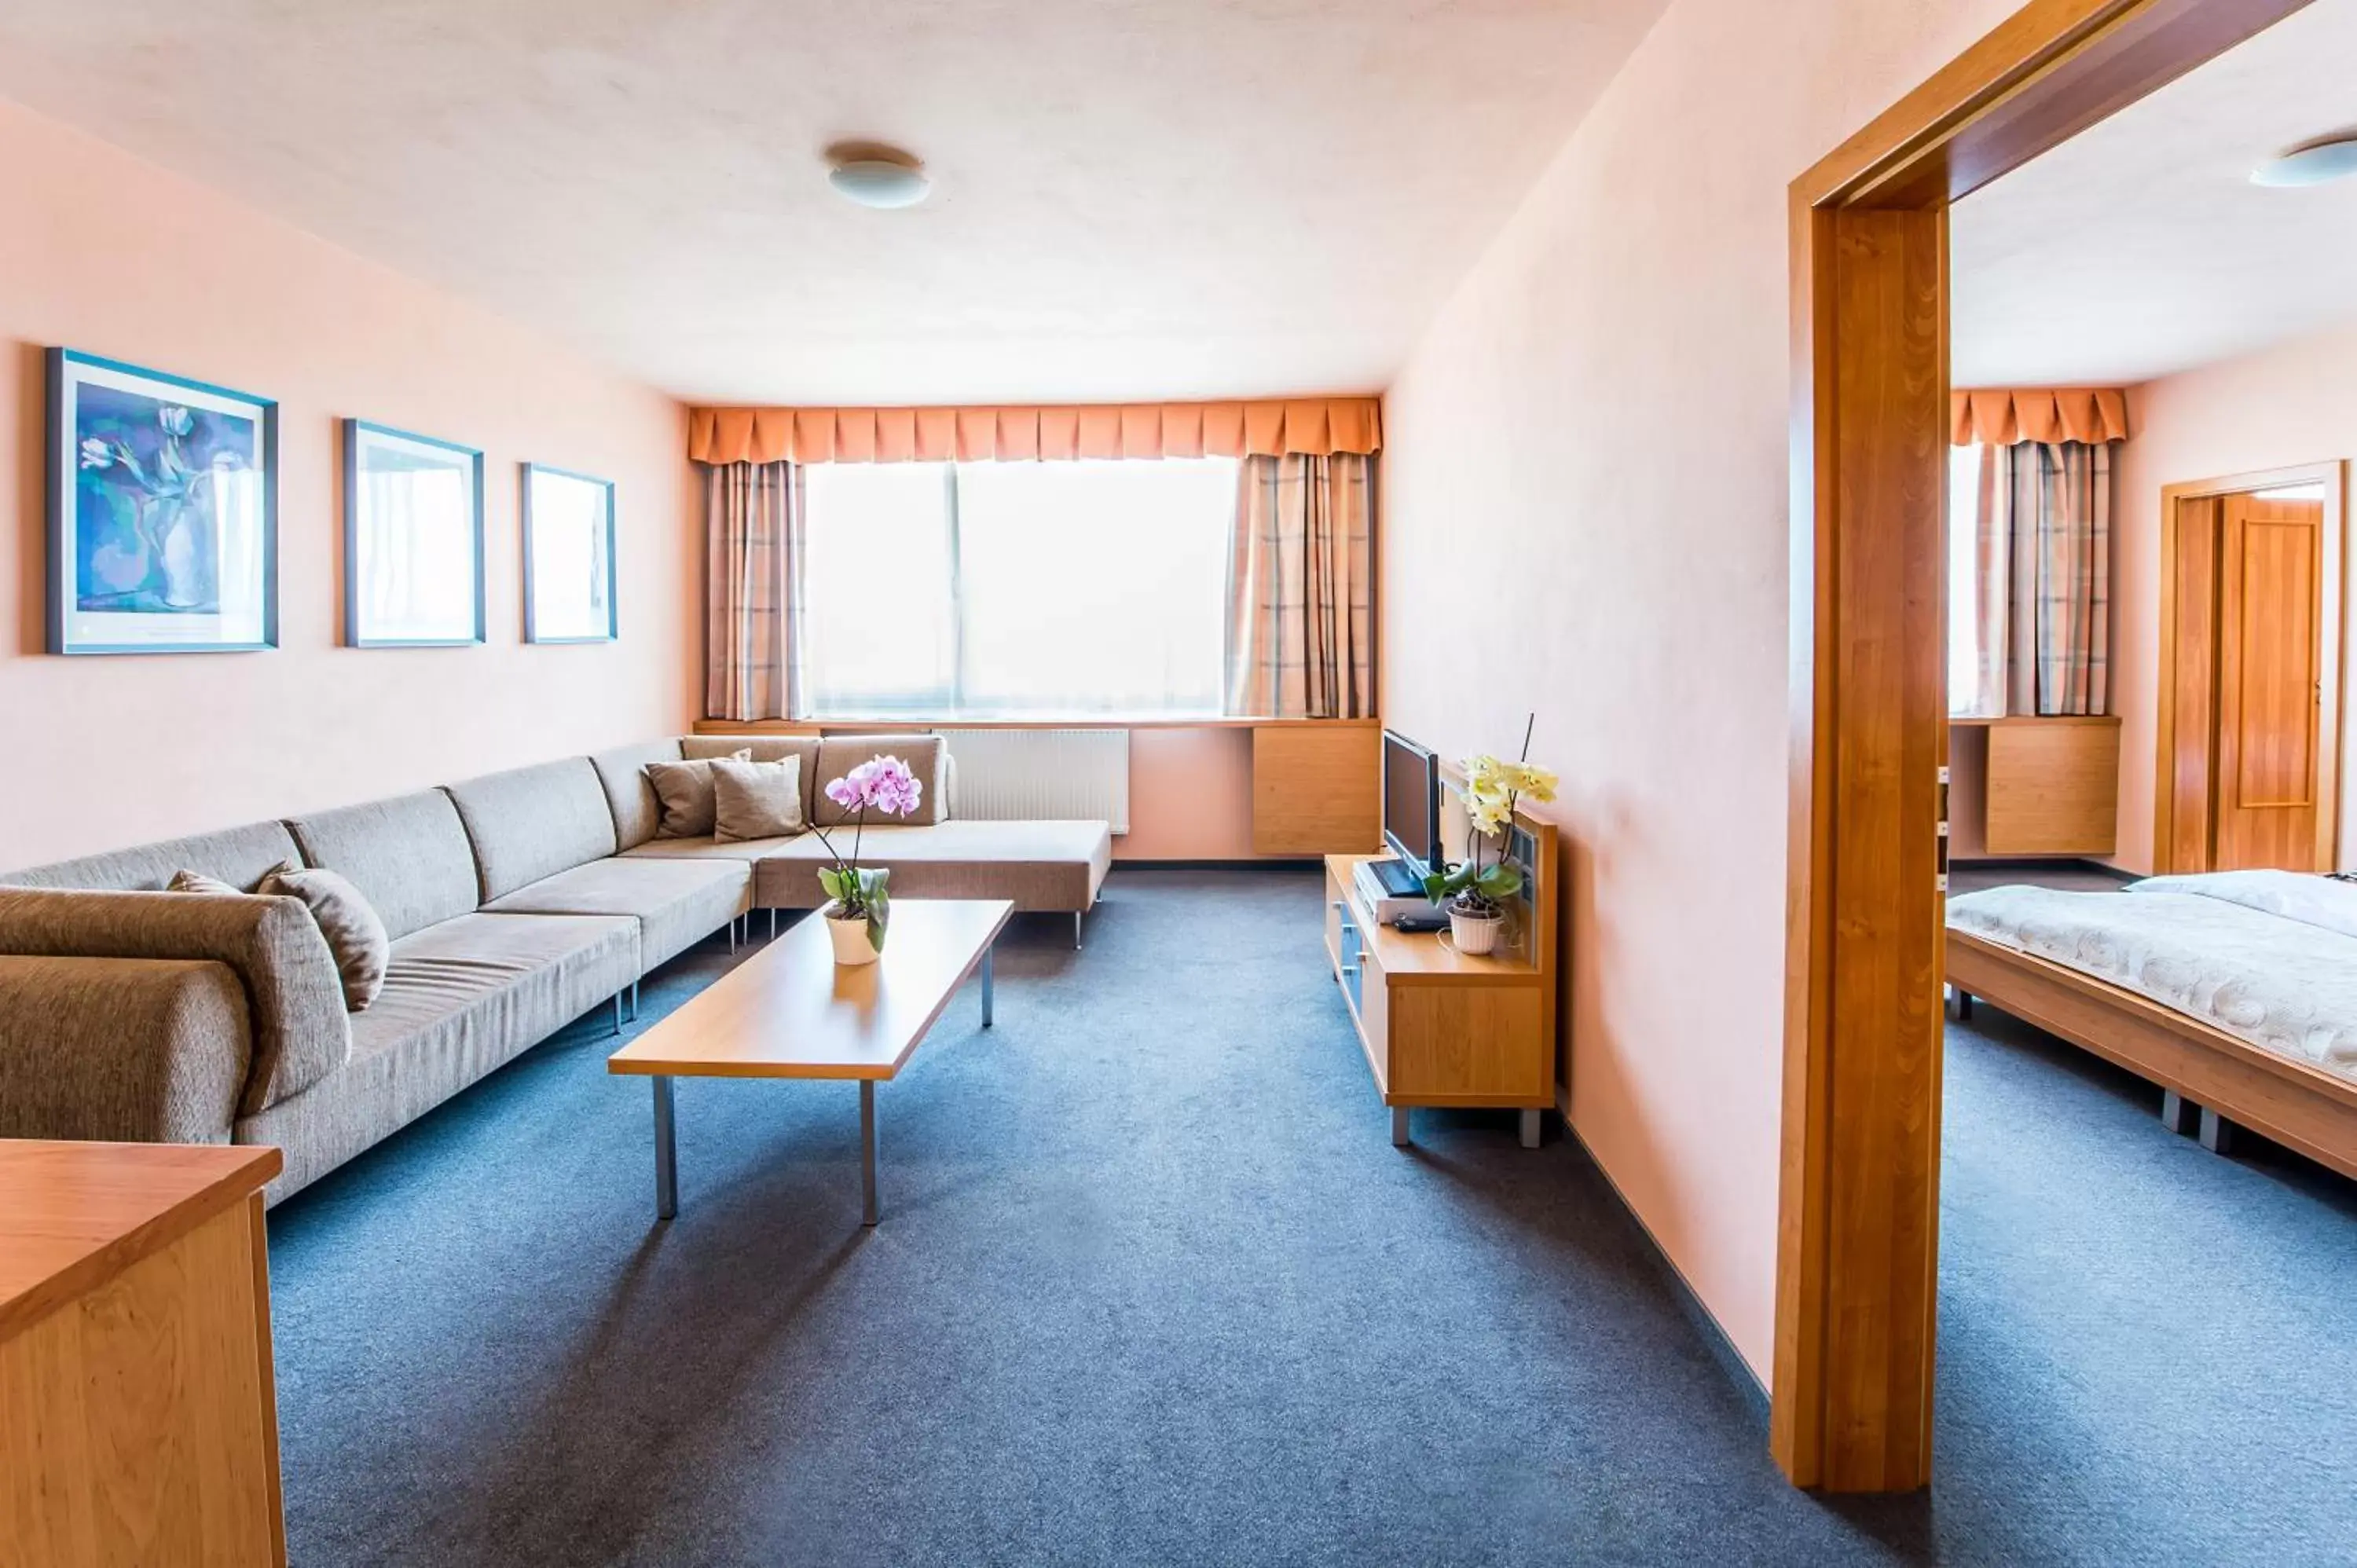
{"x":881,"y":784}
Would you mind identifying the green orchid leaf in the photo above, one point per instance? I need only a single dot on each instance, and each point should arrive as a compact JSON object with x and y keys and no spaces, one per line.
{"x":1500,"y":882}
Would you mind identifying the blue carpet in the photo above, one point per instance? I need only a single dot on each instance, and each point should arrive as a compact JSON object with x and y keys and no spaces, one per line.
{"x":1152,"y":1287}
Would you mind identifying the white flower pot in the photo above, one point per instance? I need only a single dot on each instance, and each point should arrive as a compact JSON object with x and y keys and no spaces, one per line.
{"x":851,"y":944}
{"x":1475,"y":935}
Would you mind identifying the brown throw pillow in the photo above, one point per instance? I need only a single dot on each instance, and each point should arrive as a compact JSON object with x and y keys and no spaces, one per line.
{"x":197,"y":882}
{"x":684,"y":789}
{"x":355,"y":934}
{"x":756,"y":799}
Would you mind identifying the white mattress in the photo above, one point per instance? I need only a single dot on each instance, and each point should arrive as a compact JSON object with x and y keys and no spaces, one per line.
{"x":2269,"y":957}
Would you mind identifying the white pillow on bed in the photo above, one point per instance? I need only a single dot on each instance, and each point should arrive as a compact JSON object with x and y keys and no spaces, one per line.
{"x":2305,"y":897}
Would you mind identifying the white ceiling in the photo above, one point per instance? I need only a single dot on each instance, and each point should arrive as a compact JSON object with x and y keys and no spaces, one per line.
{"x":1133,"y":199}
{"x":2140,"y":247}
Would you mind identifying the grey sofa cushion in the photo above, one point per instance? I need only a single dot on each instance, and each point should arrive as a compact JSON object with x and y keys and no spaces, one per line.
{"x":460,"y":999}
{"x":677,"y":902}
{"x":295,"y":1001}
{"x":708,"y":848}
{"x":622,"y":773}
{"x":1040,"y":865}
{"x":924,"y":754}
{"x":685,"y":791}
{"x":408,"y":855}
{"x":122,"y":1050}
{"x":355,"y":935}
{"x":765,"y":748}
{"x":531,"y":822}
{"x":240,"y":856}
{"x":757,"y":799}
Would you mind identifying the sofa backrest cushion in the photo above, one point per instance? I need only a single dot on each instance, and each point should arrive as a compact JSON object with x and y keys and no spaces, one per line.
{"x":622,"y":773}
{"x":924,"y":754}
{"x":239,"y":856}
{"x":765,"y":748}
{"x":531,"y":822}
{"x":409,"y":857}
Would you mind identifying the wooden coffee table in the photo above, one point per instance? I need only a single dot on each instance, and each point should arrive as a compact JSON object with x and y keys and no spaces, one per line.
{"x":790,"y":1011}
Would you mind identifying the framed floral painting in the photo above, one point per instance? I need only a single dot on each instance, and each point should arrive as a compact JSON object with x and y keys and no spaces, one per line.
{"x":163,"y":503}
{"x":568,"y":557}
{"x":412,"y":540}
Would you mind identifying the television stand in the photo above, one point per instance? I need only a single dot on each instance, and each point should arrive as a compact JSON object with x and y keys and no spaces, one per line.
{"x":1441,"y":1029}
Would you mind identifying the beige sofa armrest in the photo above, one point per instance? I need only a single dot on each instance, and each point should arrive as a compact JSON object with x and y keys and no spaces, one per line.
{"x":124,"y":1050}
{"x":293,"y":996}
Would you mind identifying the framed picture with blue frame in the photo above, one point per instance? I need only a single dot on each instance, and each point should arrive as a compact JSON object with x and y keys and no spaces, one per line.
{"x":412,"y":540}
{"x":163,"y":513}
{"x":568,"y":557}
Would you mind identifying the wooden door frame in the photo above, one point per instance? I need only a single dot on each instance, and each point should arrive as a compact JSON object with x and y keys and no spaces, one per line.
{"x":1857,"y":1229}
{"x":2334,"y":479}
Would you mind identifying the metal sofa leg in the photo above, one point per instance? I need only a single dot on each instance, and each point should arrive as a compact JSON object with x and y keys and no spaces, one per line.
{"x":634,"y":1002}
{"x":1077,"y":916}
{"x":617,"y":1011}
{"x":773,"y":922}
{"x":2178,"y":1114}
{"x":2217,"y":1132}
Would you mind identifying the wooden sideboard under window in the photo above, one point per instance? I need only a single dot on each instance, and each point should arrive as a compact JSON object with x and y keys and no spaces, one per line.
{"x":138,"y":1417}
{"x":2034,"y":786}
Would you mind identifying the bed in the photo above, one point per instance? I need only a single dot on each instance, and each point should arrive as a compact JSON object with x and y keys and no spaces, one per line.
{"x":2234,"y":992}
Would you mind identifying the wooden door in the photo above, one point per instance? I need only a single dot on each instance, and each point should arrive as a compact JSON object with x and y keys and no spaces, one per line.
{"x":2270,"y":582}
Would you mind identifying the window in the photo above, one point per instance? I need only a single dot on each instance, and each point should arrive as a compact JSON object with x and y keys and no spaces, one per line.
{"x":1016,"y":590}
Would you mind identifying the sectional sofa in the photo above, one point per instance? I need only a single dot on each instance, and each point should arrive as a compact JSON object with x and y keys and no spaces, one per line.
{"x":516,"y":903}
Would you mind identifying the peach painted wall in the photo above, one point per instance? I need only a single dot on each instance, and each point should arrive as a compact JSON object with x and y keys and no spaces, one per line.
{"x":1190,"y":795}
{"x":102,"y":253}
{"x":2293,"y":403}
{"x":1595,"y":428}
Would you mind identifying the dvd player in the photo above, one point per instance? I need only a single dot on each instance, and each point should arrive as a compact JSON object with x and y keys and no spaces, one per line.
{"x":1394,"y":895}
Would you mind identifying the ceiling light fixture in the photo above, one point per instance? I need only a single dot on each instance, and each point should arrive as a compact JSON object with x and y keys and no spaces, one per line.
{"x":877,"y":177}
{"x":2313,"y":163}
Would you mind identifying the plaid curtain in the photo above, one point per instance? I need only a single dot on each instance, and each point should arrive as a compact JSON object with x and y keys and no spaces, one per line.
{"x":1300,"y":626}
{"x":2046,"y":533}
{"x":752,"y":515}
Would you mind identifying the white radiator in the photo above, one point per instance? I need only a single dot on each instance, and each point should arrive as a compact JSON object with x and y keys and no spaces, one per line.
{"x":1040,"y":774}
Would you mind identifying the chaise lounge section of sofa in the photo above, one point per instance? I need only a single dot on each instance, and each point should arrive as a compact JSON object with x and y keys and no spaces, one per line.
{"x":515,"y":902}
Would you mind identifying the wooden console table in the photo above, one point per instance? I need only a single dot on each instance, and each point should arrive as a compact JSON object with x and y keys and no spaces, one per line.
{"x":138,"y":1416}
{"x":1439,"y":1028}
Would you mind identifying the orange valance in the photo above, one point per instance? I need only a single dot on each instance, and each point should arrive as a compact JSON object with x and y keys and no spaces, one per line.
{"x":2001,"y":417}
{"x":1317,"y":426}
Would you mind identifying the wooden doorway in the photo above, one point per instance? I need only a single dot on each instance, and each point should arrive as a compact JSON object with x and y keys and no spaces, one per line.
{"x":1859,"y":1225}
{"x":2248,"y":767}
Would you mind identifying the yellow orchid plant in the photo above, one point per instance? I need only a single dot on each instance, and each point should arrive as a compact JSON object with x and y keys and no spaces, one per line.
{"x":1492,"y":790}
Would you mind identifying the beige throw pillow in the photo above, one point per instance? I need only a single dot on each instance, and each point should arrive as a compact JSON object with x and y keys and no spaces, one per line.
{"x":355,"y":934}
{"x":756,"y":799}
{"x":683,"y":791}
{"x":197,"y":882}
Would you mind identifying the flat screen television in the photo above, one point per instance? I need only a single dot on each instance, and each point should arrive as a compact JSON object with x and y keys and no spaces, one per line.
{"x":1410,"y":803}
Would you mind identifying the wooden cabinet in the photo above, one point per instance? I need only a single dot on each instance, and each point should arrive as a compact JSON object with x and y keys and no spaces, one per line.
{"x":2042,"y":786}
{"x":1315,"y":789}
{"x":1439,"y":1028}
{"x":137,"y":1412}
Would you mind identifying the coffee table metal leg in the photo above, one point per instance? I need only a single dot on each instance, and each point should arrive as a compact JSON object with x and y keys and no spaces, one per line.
{"x":666,"y":1154}
{"x":867,"y":1151}
{"x":986,"y":986}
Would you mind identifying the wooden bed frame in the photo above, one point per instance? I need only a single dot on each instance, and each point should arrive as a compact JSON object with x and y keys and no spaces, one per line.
{"x":2233,"y":1082}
